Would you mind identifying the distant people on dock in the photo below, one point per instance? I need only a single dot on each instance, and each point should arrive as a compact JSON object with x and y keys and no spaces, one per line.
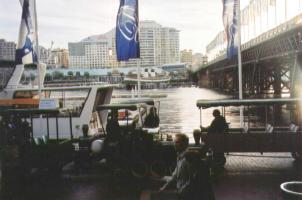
{"x":152,"y":119}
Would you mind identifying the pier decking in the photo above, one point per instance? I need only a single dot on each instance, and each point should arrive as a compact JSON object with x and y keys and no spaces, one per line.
{"x":246,"y":176}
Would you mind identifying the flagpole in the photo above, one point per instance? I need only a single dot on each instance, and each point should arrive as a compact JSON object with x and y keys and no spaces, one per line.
{"x":138,"y":78}
{"x":239,"y":63}
{"x":37,"y":51}
{"x":138,"y":59}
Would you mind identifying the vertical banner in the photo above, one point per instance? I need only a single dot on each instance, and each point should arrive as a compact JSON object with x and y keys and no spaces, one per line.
{"x":127,"y":38}
{"x":230,"y":22}
{"x":26,"y":52}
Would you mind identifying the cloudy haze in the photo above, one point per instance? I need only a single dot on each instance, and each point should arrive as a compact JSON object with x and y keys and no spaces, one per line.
{"x":66,"y":21}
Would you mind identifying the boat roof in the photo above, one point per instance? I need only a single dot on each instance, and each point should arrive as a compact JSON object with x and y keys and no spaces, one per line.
{"x":245,"y":102}
{"x":31,"y":111}
{"x":60,"y":88}
{"x":148,"y":101}
{"x":117,"y":106}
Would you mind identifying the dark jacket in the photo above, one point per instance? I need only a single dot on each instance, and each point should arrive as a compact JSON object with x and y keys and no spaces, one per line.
{"x":200,"y":187}
{"x":218,"y":125}
{"x":151,"y":121}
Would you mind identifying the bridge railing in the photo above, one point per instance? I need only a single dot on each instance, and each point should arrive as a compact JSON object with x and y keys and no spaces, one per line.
{"x":282,"y":28}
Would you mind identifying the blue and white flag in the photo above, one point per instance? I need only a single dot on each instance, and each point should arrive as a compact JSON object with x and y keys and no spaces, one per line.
{"x":26,"y":53}
{"x":127,"y":39}
{"x":230,"y":22}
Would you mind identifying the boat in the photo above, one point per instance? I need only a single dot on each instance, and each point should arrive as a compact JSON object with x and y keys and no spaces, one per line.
{"x":77,"y":102}
{"x":149,"y":78}
{"x":270,"y":137}
{"x":144,"y":151}
{"x":128,"y":117}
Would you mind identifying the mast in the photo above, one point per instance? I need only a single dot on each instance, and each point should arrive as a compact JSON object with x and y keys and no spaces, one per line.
{"x":138,"y":62}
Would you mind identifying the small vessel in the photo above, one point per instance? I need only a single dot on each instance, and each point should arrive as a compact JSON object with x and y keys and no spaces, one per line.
{"x":149,"y":78}
{"x":78,"y":102}
{"x":272,"y":137}
{"x":144,"y":151}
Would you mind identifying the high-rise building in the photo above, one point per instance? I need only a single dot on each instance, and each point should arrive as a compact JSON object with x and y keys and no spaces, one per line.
{"x":58,"y":58}
{"x":158,"y":45}
{"x":44,"y":54}
{"x":7,"y":50}
{"x":92,"y":52}
{"x":186,"y":56}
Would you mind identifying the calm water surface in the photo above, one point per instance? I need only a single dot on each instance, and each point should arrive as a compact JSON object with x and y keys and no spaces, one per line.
{"x":178,"y":111}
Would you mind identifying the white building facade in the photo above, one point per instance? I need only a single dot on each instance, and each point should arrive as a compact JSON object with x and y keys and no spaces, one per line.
{"x":158,"y":45}
{"x":89,"y":54}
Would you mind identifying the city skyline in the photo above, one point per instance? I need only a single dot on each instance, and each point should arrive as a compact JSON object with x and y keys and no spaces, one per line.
{"x":70,"y":21}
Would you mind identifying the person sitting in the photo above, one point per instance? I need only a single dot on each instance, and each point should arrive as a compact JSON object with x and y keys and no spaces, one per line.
{"x":197,"y":137}
{"x":199,"y":186}
{"x":113,"y":128}
{"x":83,"y":158}
{"x":112,"y":142}
{"x":152,"y":119}
{"x":198,"y":144}
{"x":218,"y":126}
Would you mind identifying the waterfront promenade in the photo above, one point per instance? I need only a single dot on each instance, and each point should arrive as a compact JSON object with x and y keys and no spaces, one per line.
{"x":250,"y":176}
{"x":246,"y":177}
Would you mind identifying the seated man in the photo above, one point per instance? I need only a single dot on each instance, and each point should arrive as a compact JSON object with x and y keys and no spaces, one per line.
{"x":113,"y":128}
{"x":218,"y":126}
{"x":112,"y":146}
{"x":152,"y":119}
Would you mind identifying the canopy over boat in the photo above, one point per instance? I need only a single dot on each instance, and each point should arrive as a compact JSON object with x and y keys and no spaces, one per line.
{"x":148,"y":101}
{"x":116,"y":106}
{"x":246,"y":102}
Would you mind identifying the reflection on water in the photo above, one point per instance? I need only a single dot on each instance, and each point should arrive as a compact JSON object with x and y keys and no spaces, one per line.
{"x":178,"y":111}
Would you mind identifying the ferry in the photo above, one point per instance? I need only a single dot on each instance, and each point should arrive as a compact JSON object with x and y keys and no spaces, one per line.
{"x":76,"y":102}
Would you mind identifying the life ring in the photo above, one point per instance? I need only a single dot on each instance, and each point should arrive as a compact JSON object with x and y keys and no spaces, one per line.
{"x":288,"y":192}
{"x":139,"y":169}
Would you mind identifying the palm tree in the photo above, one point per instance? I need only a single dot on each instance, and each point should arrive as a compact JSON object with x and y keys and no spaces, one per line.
{"x":70,"y":74}
{"x":86,"y":75}
{"x":48,"y":76}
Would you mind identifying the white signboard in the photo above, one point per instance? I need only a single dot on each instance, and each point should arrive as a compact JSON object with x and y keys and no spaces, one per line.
{"x":48,"y":104}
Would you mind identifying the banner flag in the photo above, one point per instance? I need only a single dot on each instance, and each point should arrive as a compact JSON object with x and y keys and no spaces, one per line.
{"x":26,"y":52}
{"x":230,"y":22}
{"x":127,"y":38}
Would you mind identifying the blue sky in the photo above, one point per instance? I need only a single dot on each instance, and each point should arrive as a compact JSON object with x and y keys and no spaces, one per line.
{"x":66,"y":21}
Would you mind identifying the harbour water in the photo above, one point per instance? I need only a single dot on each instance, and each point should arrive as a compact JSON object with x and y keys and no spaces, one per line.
{"x":178,"y":111}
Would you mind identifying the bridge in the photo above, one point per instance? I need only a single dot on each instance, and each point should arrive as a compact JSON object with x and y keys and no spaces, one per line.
{"x":271,"y":64}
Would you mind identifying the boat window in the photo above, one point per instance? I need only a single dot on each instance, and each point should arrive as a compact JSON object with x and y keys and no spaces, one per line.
{"x":73,"y":101}
{"x":100,"y":98}
{"x":26,"y":94}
